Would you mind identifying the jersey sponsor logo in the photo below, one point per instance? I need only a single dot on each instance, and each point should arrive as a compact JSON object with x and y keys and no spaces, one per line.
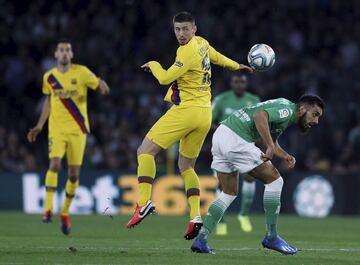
{"x":65,"y":94}
{"x":284,"y":113}
{"x":178,"y":64}
{"x":73,"y":81}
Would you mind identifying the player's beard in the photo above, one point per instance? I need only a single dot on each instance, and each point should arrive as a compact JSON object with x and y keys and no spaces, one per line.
{"x":65,"y":62}
{"x":302,"y":123}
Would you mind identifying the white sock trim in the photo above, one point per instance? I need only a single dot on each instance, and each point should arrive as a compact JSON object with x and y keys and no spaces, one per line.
{"x":218,"y":191}
{"x":226,"y":198}
{"x":276,"y":185}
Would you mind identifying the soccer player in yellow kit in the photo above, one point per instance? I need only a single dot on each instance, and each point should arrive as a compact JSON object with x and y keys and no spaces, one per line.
{"x":187,"y":121}
{"x":65,"y":87}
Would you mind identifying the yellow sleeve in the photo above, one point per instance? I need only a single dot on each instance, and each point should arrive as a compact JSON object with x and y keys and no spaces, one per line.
{"x":45,"y":86}
{"x":90,"y":79}
{"x":221,"y":60}
{"x":181,"y":65}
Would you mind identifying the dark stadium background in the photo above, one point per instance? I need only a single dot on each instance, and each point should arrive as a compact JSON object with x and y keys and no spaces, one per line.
{"x":317,"y":49}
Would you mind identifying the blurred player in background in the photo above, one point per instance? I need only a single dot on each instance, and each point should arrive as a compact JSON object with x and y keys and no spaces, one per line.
{"x":187,"y":121}
{"x":234,"y":152}
{"x":225,"y":104}
{"x":65,"y":87}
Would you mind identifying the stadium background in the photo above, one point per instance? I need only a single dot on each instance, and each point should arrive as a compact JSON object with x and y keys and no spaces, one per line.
{"x":317,"y":52}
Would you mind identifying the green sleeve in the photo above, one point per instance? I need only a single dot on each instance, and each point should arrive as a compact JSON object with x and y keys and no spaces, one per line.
{"x":278,"y":114}
{"x":215,"y":110}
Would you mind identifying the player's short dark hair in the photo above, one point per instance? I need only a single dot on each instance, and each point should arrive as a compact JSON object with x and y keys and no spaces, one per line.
{"x":63,"y":40}
{"x":240,"y":75}
{"x":312,"y":100}
{"x":184,"y":16}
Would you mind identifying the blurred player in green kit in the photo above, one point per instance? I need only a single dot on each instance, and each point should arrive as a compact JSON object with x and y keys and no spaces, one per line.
{"x":224,"y":105}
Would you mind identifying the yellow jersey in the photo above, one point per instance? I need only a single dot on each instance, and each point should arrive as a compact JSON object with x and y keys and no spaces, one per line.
{"x":190,"y":75}
{"x":68,"y":98}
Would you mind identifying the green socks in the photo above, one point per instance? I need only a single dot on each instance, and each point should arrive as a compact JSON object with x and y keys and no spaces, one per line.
{"x":247,"y":197}
{"x":218,"y":191}
{"x":215,"y":213}
{"x":271,"y":203}
{"x":272,"y":194}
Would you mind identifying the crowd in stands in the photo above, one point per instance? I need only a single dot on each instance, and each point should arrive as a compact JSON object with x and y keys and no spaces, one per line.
{"x":317,"y":51}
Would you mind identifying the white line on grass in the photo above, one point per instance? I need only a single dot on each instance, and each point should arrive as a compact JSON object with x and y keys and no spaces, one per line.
{"x":172,"y":249}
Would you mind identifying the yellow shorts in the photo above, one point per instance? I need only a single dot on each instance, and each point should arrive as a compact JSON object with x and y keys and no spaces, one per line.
{"x":73,"y":145}
{"x":190,"y":125}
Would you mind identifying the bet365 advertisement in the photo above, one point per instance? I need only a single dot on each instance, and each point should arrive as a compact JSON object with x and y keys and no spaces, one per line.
{"x":104,"y":192}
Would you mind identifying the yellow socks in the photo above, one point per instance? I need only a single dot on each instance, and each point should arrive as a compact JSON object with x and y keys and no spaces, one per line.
{"x":51,"y":182}
{"x":70,"y":193}
{"x":146,"y":176}
{"x":192,"y":187}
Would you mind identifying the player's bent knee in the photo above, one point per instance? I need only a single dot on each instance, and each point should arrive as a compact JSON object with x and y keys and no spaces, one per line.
{"x":185,"y":163}
{"x":229,"y":183}
{"x":275,"y":185}
{"x":55,"y":168}
{"x":183,"y":166}
{"x":74,"y":173}
{"x":55,"y":165}
{"x":148,"y":147}
{"x":73,"y":178}
{"x":274,"y":174}
{"x":140,"y":151}
{"x":231,"y":188}
{"x":266,"y":173}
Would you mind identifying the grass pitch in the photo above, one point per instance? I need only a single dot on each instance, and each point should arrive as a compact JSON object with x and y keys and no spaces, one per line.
{"x":104,"y":240}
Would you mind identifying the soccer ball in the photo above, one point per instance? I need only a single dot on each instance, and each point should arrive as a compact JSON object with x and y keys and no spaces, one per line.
{"x":261,"y":57}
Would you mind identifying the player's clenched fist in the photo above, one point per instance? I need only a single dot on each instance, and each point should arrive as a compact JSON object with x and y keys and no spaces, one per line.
{"x":290,"y":161}
{"x":268,"y":155}
{"x":32,"y":134}
{"x":146,"y":67}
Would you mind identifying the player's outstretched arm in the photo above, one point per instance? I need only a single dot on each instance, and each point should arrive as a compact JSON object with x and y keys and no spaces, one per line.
{"x":184,"y":58}
{"x":165,"y":77}
{"x":223,"y":61}
{"x":103,"y":88}
{"x":45,"y":112}
{"x":261,"y":120}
